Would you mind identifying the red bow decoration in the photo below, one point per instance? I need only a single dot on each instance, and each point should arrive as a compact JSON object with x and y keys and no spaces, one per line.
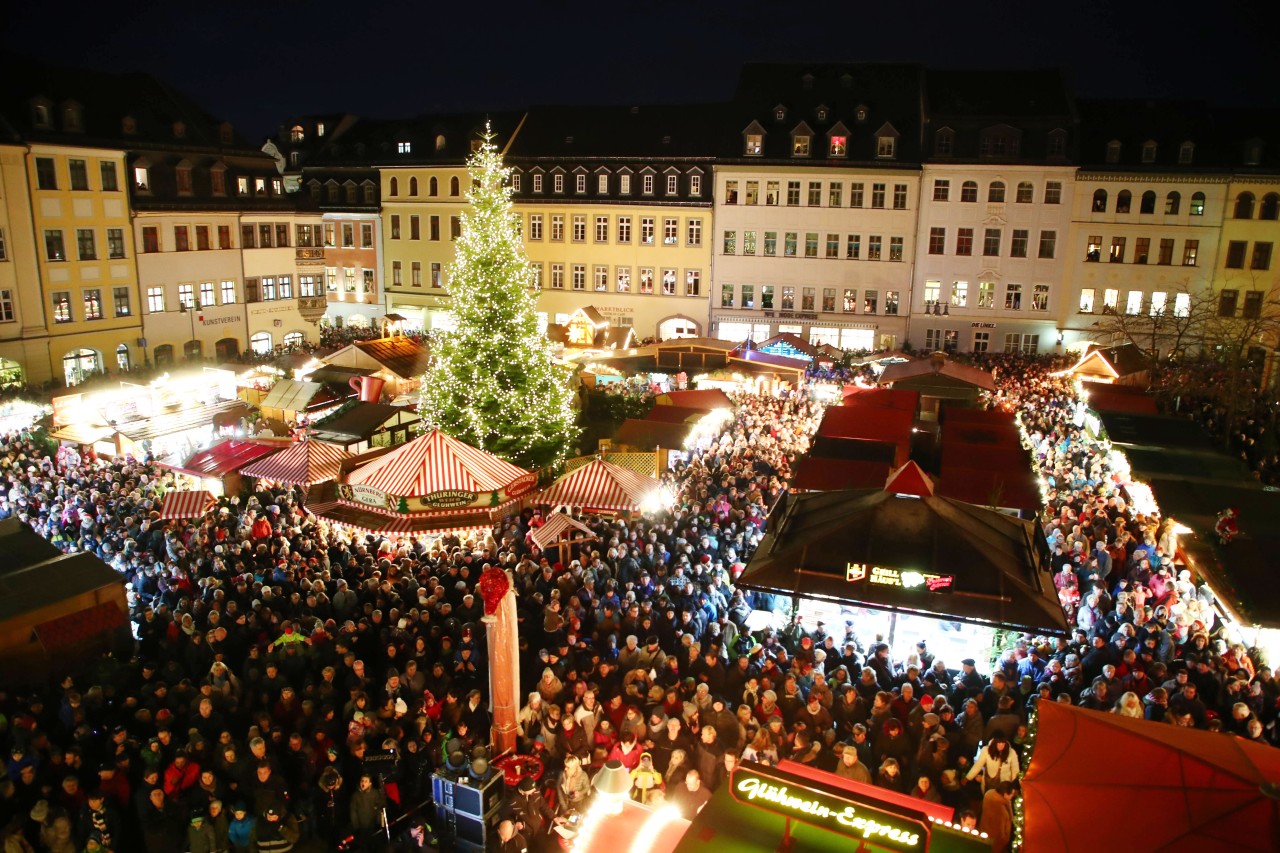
{"x":493,"y":586}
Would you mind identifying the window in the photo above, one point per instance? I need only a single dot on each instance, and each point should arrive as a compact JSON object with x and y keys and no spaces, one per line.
{"x":789,"y":244}
{"x":187,"y":292}
{"x":1133,"y":303}
{"x":1123,"y":200}
{"x":800,"y":145}
{"x":850,"y":303}
{"x":1148,"y":202}
{"x":766,"y":296}
{"x":969,"y":192}
{"x":1026,"y":193}
{"x":330,"y":281}
{"x":995,"y":192}
{"x":155,"y":299}
{"x":748,"y":296}
{"x":1086,"y":300}
{"x":86,"y":247}
{"x":261,"y":342}
{"x":1117,"y":250}
{"x":877,"y":196}
{"x":437,"y":276}
{"x":4,"y":252}
{"x":793,"y":193}
{"x":1149,"y":151}
{"x":991,"y":243}
{"x":853,"y":248}
{"x":202,"y":237}
{"x":455,"y":227}
{"x":624,"y":228}
{"x":557,"y":227}
{"x":981,"y":341}
{"x":107,"y":171}
{"x":366,"y":235}
{"x":61,"y":306}
{"x":833,"y":245}
{"x":670,"y":231}
{"x":601,"y":278}
{"x":668,"y":282}
{"x":788,"y":299}
{"x":886,"y":146}
{"x":899,"y":196}
{"x":181,"y":238}
{"x":811,"y":244}
{"x":815,"y":194}
{"x":944,"y":142}
{"x":1261,"y":256}
{"x":1053,"y":192}
{"x":1253,"y":304}
{"x":1227,"y":303}
{"x":1013,"y":297}
{"x":933,"y":339}
{"x":53,"y":247}
{"x":6,"y":306}
{"x":895,"y":248}
{"x":692,"y":282}
{"x":579,"y":229}
{"x":695,"y":185}
{"x":142,"y":178}
{"x":206,"y":293}
{"x":395,"y":227}
{"x":46,"y":174}
{"x":726,"y":296}
{"x":806,"y":299}
{"x":693,"y":232}
{"x":579,"y":276}
{"x":730,"y":243}
{"x":855,"y":194}
{"x":673,"y":184}
{"x":397,"y":274}
{"x":1110,"y":300}
{"x":960,"y":294}
{"x":839,"y":146}
{"x":579,"y":184}
{"x":1235,"y":254}
{"x":1166,"y":252}
{"x":891,"y":302}
{"x":1269,"y":211}
{"x":941,"y":190}
{"x":873,"y":247}
{"x":1048,"y":244}
{"x":753,"y":144}
{"x":828,"y":299}
{"x":349,"y":232}
{"x":1181,"y":304}
{"x":1158,"y":301}
{"x":1171,"y":203}
{"x":1099,"y":201}
{"x":1094,"y":252}
{"x":404,"y":147}
{"x":229,"y":292}
{"x":242,"y":188}
{"x":79,"y":170}
{"x":415,"y":229}
{"x":1040,"y":297}
{"x":964,"y":241}
{"x":1021,"y":238}
{"x":557,"y":183}
{"x":1190,"y":248}
{"x":1244,"y":206}
{"x":835,"y":194}
{"x":986,"y":294}
{"x":224,"y":236}
{"x":646,"y":185}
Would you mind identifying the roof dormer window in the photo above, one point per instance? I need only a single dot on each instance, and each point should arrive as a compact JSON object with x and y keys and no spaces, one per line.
{"x":754,"y":145}
{"x":71,"y":120}
{"x":297,"y":134}
{"x":821,"y":113}
{"x":944,"y":142}
{"x":779,"y":113}
{"x":1149,"y":151}
{"x":179,"y":130}
{"x":41,"y":115}
{"x":226,"y":133}
{"x":182,"y":176}
{"x":861,"y":112}
{"x":1186,"y":153}
{"x":800,"y":145}
{"x":887,"y":142}
{"x":319,"y":128}
{"x":1113,"y":151}
{"x":142,"y":176}
{"x":1253,"y":152}
{"x":404,"y":147}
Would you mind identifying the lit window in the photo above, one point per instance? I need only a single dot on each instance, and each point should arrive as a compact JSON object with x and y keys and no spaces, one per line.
{"x":839,"y":146}
{"x":404,"y":147}
{"x":886,"y":147}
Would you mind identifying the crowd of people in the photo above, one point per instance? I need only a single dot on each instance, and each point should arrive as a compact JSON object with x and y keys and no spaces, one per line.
{"x":278,"y":661}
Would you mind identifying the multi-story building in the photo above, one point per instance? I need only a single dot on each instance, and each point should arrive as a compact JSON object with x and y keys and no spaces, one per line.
{"x":817,"y":191}
{"x":1147,"y":216}
{"x":615,"y":205}
{"x":282,"y":288}
{"x":189,"y":186}
{"x":24,"y":350}
{"x":995,"y":208}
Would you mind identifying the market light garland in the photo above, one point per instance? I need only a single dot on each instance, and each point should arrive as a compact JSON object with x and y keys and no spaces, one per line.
{"x":492,"y":381}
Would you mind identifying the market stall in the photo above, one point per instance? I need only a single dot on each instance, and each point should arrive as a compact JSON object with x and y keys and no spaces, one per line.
{"x":305,"y":463}
{"x":601,"y":486}
{"x":181,"y":505}
{"x":216,"y":469}
{"x":562,"y":532}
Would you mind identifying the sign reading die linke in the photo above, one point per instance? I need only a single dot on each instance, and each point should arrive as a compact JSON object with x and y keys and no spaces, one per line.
{"x":793,"y":797}
{"x":905,"y":578}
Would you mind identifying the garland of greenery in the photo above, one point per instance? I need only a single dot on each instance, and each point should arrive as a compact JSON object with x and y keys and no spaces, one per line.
{"x":1019,"y":812}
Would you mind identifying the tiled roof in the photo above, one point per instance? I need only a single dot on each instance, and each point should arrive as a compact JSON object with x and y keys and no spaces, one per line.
{"x":404,"y":357}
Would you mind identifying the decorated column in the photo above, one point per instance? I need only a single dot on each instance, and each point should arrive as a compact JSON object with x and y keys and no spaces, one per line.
{"x":502,"y":631}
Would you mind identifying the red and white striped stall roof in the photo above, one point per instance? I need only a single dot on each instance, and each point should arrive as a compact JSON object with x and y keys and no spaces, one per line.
{"x":435,"y":462}
{"x":601,"y":485}
{"x":559,"y":526}
{"x":303,"y":464}
{"x":186,"y":504}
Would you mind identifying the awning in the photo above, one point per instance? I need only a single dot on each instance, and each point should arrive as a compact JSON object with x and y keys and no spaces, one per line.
{"x":186,"y":505}
{"x":81,"y":433}
{"x":224,"y":458}
{"x":303,"y":464}
{"x":435,"y":462}
{"x":77,"y":627}
{"x":560,"y":526}
{"x":290,"y":395}
{"x":601,"y":485}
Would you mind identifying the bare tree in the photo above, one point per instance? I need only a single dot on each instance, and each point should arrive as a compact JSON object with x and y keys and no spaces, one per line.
{"x":1162,"y":330}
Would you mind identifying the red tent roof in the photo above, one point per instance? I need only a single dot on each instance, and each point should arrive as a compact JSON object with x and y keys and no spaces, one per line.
{"x":883,"y":398}
{"x":892,"y":426}
{"x":909,"y":480}
{"x":225,"y":457}
{"x":303,"y":464}
{"x":988,"y":435}
{"x":962,"y":415}
{"x":825,"y":475}
{"x":186,"y":504}
{"x":1126,"y":399}
{"x":601,"y":485}
{"x":1170,"y":788}
{"x":435,"y":462}
{"x":985,"y":487}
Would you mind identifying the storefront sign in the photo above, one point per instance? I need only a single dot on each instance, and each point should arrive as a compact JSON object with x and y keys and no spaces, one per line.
{"x":368,"y":496}
{"x":520,"y":485}
{"x":448,"y":499}
{"x":905,"y":578}
{"x":849,"y":818}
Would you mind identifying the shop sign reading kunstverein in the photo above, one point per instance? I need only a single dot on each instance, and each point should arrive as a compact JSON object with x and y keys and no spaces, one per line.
{"x":782,"y":795}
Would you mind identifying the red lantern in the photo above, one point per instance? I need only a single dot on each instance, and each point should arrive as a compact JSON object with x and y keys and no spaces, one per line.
{"x":493,"y":586}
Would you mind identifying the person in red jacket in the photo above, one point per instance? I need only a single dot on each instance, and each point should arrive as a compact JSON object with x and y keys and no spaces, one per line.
{"x":181,"y":775}
{"x":261,"y":527}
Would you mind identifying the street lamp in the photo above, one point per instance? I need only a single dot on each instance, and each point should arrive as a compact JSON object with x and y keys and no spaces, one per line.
{"x":191,"y":318}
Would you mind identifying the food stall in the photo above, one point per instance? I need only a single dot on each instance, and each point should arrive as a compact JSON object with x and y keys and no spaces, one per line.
{"x":216,"y":469}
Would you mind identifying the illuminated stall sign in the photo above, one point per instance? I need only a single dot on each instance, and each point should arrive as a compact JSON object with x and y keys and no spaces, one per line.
{"x":449,"y":499}
{"x":845,"y":817}
{"x":366,"y":495}
{"x":905,"y":578}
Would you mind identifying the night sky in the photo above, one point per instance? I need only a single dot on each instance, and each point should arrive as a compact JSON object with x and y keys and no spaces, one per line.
{"x":257,"y":62}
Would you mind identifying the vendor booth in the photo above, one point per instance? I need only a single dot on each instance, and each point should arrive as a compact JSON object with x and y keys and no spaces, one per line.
{"x":1174,"y":789}
{"x":601,"y":486}
{"x":359,"y":426}
{"x":216,"y":469}
{"x":564,"y":533}
{"x":305,"y":463}
{"x":939,"y":381}
{"x":181,"y":505}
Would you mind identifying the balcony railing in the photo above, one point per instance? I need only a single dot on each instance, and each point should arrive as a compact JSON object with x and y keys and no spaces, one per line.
{"x":312,"y":308}
{"x":310,"y":253}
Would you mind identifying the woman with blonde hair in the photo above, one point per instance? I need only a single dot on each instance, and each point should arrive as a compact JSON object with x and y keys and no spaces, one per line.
{"x":1129,"y":706}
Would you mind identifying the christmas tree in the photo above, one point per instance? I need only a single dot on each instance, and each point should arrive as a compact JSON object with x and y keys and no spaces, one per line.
{"x":492,"y":382}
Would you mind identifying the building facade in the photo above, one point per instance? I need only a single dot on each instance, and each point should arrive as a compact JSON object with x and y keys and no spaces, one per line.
{"x":24,"y":351}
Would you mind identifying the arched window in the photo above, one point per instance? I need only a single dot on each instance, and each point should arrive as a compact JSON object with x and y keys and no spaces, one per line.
{"x":122,"y":358}
{"x":413,"y":186}
{"x":293,"y":339}
{"x":1148,"y":202}
{"x":1172,"y":202}
{"x":1244,"y":206}
{"x":969,"y":191}
{"x":1026,"y":193}
{"x":192,"y":350}
{"x":261,"y":343}
{"x":433,"y":187}
{"x":995,"y":192}
{"x":164,"y":355}
{"x":454,"y":186}
{"x":1197,"y":204}
{"x":1270,"y":207}
{"x":297,"y":134}
{"x":1099,"y":201}
{"x":1124,"y":199}
{"x":395,"y":186}
{"x":78,"y":365}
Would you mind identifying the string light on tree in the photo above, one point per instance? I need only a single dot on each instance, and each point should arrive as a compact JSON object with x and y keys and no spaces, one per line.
{"x":492,"y":382}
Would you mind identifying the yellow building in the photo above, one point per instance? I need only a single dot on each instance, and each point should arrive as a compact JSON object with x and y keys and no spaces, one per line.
{"x":23,"y":340}
{"x":1246,"y":277}
{"x":90,"y":281}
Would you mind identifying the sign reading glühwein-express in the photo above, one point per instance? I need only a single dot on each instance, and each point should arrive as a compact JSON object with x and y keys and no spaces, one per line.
{"x":792,"y":798}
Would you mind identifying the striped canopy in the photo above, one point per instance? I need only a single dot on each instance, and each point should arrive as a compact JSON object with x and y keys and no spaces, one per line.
{"x":435,"y":462}
{"x":186,"y":504}
{"x":601,"y":485}
{"x":559,"y":526}
{"x":303,"y":464}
